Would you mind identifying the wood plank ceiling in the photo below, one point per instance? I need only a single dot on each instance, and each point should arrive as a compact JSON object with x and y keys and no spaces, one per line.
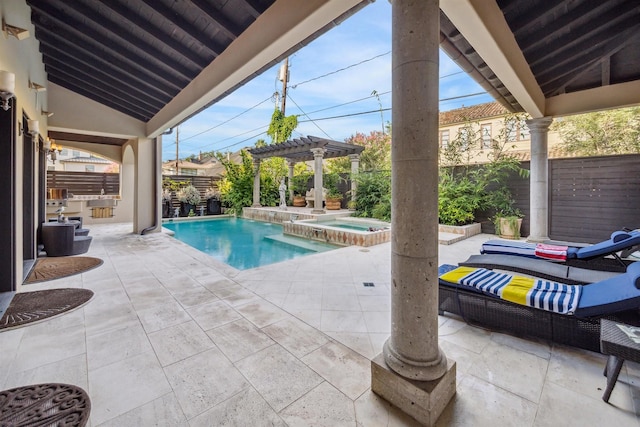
{"x":136,"y":55}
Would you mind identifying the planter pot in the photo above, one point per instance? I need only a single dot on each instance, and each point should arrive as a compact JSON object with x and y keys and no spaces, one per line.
{"x":186,"y":207}
{"x":214,"y":207}
{"x":509,"y":229}
{"x":299,"y":201}
{"x":333,"y":204}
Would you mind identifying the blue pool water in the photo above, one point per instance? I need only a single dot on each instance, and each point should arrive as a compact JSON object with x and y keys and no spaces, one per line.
{"x":243,"y":243}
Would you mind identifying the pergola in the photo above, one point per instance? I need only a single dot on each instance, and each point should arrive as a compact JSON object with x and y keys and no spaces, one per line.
{"x":303,"y":150}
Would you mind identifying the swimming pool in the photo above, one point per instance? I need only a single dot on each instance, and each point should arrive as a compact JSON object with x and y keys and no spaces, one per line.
{"x":242,"y":243}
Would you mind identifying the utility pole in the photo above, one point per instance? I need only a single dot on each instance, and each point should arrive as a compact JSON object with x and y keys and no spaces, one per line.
{"x":284,"y":78}
{"x":177,"y":142}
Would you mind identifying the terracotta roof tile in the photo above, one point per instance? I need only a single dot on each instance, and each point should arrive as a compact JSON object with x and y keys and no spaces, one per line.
{"x":474,"y":112}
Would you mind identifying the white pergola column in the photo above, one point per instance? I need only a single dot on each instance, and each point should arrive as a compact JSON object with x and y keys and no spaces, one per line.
{"x":318,"y":155}
{"x":256,"y":184}
{"x":291,"y":164}
{"x":539,"y":179}
{"x":355,"y":167}
{"x":413,"y":373}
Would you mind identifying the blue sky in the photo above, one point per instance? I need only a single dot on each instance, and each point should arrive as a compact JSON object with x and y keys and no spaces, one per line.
{"x":333,"y":76}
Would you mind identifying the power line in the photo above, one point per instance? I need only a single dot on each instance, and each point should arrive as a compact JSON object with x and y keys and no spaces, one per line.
{"x":310,"y":119}
{"x":228,"y":120}
{"x":341,"y":69}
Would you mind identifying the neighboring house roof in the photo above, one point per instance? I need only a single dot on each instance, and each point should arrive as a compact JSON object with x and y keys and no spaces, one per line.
{"x":475,"y":112}
{"x":183,"y":164}
{"x":95,"y":160}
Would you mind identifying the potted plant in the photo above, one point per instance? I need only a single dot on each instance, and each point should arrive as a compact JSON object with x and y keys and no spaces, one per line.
{"x":299,"y":185}
{"x":214,"y":206}
{"x":333,"y":200}
{"x":189,"y":198}
{"x":166,"y":203}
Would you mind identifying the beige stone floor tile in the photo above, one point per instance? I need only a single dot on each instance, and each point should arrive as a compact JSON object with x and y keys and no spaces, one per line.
{"x":465,"y":359}
{"x":378,"y":321}
{"x":312,"y":318}
{"x":278,"y":376}
{"x":478,"y":403}
{"x":9,"y":343}
{"x":340,"y":302}
{"x":377,"y":341}
{"x":297,"y":337}
{"x":239,"y":339}
{"x":324,"y":406}
{"x":342,"y":367}
{"x":162,"y":412}
{"x":213,"y":314}
{"x":265,"y":287}
{"x":302,"y":301}
{"x":40,"y":346}
{"x":179,"y":342}
{"x":579,"y":410}
{"x":540,"y":348}
{"x":72,"y":370}
{"x":238,"y":297}
{"x":162,"y":316}
{"x":307,"y":287}
{"x":345,"y":288}
{"x":246,"y":408}
{"x":521,"y":373}
{"x":195,"y":296}
{"x":125,"y":385}
{"x":358,"y":342}
{"x":276,"y":299}
{"x":343,"y":321}
{"x":470,"y":337}
{"x":262,"y":313}
{"x":375,"y":302}
{"x":104,"y":318}
{"x":373,"y":411}
{"x":204,"y":380}
{"x":116,"y":344}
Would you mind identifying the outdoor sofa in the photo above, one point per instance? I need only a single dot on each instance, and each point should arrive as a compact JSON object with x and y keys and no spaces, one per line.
{"x":577,"y":324}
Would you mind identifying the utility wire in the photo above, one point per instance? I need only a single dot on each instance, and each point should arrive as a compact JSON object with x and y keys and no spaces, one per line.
{"x":310,"y":119}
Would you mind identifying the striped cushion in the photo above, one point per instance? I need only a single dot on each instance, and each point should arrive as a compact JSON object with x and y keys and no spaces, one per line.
{"x":537,"y":293}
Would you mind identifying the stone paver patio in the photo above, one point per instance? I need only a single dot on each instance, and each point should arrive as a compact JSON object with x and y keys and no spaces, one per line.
{"x":174,"y":338}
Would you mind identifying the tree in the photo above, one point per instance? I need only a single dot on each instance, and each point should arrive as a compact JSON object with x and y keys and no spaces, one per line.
{"x":375,"y":157}
{"x":281,"y":127}
{"x":600,"y":133}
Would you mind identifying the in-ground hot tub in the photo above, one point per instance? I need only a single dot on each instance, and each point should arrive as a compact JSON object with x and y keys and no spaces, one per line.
{"x":344,"y":231}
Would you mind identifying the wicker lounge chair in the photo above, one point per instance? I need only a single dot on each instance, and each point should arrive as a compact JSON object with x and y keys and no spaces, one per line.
{"x":59,"y":239}
{"x":616,"y":298}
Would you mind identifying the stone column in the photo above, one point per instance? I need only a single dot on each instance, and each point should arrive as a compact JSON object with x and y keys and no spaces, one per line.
{"x":539,"y":179}
{"x":318,"y":154}
{"x":355,"y":167}
{"x":256,"y":184}
{"x":291,"y":164}
{"x":413,"y":373}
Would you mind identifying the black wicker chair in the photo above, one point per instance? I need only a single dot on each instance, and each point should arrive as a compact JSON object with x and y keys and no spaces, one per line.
{"x":478,"y":308}
{"x":59,"y":239}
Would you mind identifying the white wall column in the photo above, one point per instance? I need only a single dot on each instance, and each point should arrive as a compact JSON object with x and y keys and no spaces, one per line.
{"x":318,"y":155}
{"x":256,"y":184}
{"x":355,"y":167}
{"x":291,"y":164}
{"x":413,"y":373}
{"x":539,"y":179}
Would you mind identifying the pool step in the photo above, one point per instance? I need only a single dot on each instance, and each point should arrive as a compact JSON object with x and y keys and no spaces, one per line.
{"x":310,"y":245}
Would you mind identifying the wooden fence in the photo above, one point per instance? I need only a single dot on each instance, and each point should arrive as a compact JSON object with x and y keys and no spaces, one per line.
{"x":84,"y":183}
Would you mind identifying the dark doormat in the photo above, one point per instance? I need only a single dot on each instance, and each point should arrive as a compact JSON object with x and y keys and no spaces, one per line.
{"x":58,"y":267}
{"x":44,"y":405}
{"x":29,"y":307}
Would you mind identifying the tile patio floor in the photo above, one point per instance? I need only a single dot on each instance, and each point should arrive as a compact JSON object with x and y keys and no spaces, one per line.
{"x":174,"y":338}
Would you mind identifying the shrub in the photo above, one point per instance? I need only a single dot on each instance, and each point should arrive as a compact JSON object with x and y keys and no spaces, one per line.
{"x":373,"y":198}
{"x":189,"y":194}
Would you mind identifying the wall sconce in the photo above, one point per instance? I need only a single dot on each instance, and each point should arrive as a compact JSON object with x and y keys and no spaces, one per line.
{"x":51,"y":149}
{"x":7,"y":88}
{"x":34,"y":127}
{"x":46,"y":113}
{"x":17,"y":32}
{"x":37,"y":87}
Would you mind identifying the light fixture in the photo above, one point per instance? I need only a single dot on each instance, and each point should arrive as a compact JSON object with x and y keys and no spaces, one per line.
{"x":37,"y":87}
{"x":51,"y":149}
{"x":46,"y":113}
{"x":11,"y":30}
{"x":7,"y":88}
{"x":34,"y":127}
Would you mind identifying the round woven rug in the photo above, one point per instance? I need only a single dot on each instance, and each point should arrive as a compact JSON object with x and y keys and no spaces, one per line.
{"x":29,"y":307}
{"x":58,"y":267}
